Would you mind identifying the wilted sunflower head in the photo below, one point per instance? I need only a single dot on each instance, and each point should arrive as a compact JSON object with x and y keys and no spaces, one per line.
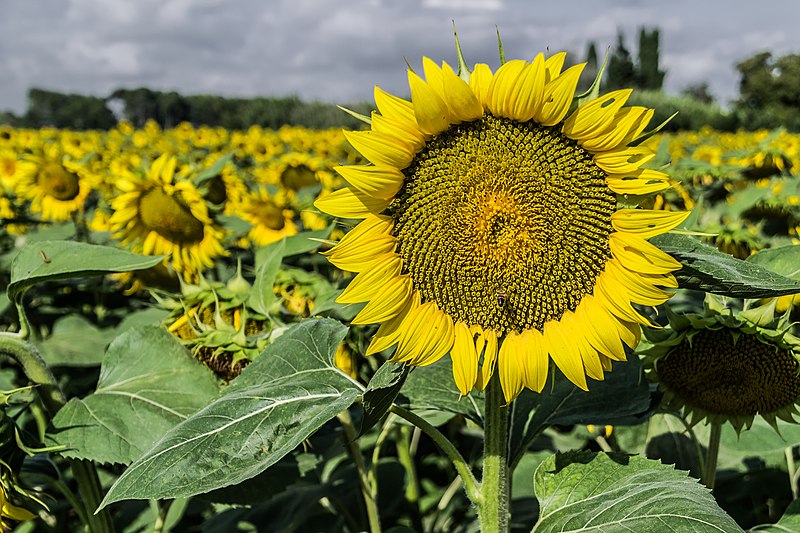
{"x":724,"y":365}
{"x":161,"y":212}
{"x":490,"y":224}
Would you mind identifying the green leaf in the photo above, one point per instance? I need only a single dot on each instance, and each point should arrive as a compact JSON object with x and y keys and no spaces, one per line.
{"x":148,"y":383}
{"x":761,"y":438}
{"x":789,"y":522}
{"x":433,"y":387}
{"x":280,"y":399}
{"x":299,"y":243}
{"x":381,"y":391}
{"x":622,"y":398}
{"x":212,"y":171}
{"x":53,"y":260}
{"x":707,"y":269}
{"x":610,"y":493}
{"x":75,"y":341}
{"x":262,"y":296}
{"x":784,"y":260}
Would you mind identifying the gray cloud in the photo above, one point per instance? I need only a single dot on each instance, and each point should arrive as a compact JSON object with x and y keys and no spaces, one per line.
{"x":337,"y":51}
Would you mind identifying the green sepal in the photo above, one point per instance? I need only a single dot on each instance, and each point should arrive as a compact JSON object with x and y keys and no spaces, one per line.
{"x":463,"y":69}
{"x":356,"y":115}
{"x":594,"y":90}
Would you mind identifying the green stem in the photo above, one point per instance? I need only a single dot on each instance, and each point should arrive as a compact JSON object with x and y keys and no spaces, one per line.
{"x":792,"y":470}
{"x":493,"y":510}
{"x":405,"y":458}
{"x":471,"y":484}
{"x":53,"y":399}
{"x":161,"y":515}
{"x":368,"y":490}
{"x":710,"y":472}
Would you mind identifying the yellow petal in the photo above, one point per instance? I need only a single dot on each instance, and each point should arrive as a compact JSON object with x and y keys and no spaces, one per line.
{"x":511,"y":366}
{"x":646,"y":223}
{"x":505,"y":88}
{"x":528,"y":100}
{"x":428,"y":336}
{"x":381,"y":148}
{"x":638,"y":255}
{"x":389,"y":332}
{"x":595,"y":116}
{"x":464,"y":106}
{"x":624,"y":160}
{"x":642,"y":181}
{"x":615,"y":298}
{"x":558,"y":95}
{"x":433,"y":77}
{"x":479,"y":82}
{"x":601,"y":328}
{"x":387,"y":303}
{"x":366,"y":284}
{"x":554,"y":64}
{"x":488,"y":338}
{"x":372,"y":225}
{"x":360,"y":255}
{"x":627,"y":124}
{"x":380,"y":182}
{"x":346,"y":203}
{"x":465,"y":359}
{"x":639,"y":291}
{"x":429,"y":109}
{"x":400,"y":130}
{"x":560,"y":344}
{"x":442,"y":330}
{"x":537,"y":362}
{"x":395,"y":108}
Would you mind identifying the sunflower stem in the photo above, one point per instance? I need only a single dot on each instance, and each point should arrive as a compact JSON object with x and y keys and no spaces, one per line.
{"x":792,"y":470}
{"x":28,"y":357}
{"x":710,"y":471}
{"x":369,"y":490}
{"x":493,"y":509}
{"x":471,"y":484}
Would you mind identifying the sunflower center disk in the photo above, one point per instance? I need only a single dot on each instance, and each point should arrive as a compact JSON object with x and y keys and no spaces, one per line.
{"x":721,"y":377}
{"x":57,"y":182}
{"x":167,"y":216}
{"x":297,"y":177}
{"x":504,"y":224}
{"x":271,"y":216}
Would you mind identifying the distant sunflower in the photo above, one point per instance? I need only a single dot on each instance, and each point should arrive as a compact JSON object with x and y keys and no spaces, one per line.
{"x":269,"y":216}
{"x":159,"y":214}
{"x":723,"y":366}
{"x":53,"y":183}
{"x":490,"y":224}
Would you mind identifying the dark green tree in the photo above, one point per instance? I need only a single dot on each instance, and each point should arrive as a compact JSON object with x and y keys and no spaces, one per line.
{"x":59,"y":110}
{"x":769,"y":91}
{"x":649,"y":75}
{"x":139,"y":105}
{"x":620,"y":71}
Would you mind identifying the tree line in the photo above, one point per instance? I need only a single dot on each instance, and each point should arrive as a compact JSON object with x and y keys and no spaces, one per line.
{"x":769,"y":97}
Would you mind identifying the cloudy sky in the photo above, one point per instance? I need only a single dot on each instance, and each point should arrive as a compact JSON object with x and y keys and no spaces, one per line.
{"x":337,"y":50}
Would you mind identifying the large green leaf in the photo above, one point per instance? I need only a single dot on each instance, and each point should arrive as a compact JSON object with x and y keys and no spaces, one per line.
{"x":432,"y":387}
{"x":610,"y":493}
{"x":148,"y":383}
{"x":51,"y":260}
{"x":75,"y":341}
{"x":621,"y":398}
{"x":280,"y":399}
{"x":784,"y":260}
{"x":707,"y":269}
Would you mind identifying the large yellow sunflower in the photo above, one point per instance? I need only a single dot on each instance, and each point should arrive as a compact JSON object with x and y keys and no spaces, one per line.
{"x":491,"y":229}
{"x":269,"y":215}
{"x":56,"y":186}
{"x":159,"y":214}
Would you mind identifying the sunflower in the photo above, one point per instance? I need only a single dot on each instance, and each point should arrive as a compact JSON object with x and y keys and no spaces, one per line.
{"x":163,"y":213}
{"x":269,"y":215}
{"x":724,"y":365}
{"x":55,"y":185}
{"x":490,"y":227}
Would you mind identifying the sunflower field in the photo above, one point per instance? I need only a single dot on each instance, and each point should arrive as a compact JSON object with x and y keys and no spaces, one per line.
{"x":500,"y":306}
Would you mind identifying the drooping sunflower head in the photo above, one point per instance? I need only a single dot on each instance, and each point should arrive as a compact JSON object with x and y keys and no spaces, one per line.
{"x":161,"y":212}
{"x":490,"y":224}
{"x":721,"y":365}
